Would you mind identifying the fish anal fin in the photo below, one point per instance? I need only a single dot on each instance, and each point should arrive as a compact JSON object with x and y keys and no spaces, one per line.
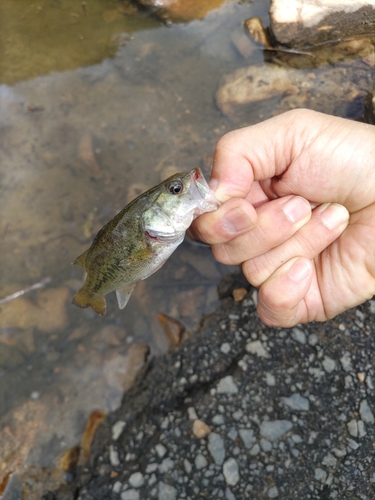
{"x":83,"y":299}
{"x":123,"y":294}
{"x":81,"y":259}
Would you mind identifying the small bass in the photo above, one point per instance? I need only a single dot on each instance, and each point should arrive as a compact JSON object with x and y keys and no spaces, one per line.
{"x":139,"y":239}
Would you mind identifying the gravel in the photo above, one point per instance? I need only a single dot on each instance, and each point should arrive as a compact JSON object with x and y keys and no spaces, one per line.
{"x":296,"y":422}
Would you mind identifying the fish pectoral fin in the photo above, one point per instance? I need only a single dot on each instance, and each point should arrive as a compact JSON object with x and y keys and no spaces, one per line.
{"x":123,"y":294}
{"x":81,"y":259}
{"x":144,"y":253}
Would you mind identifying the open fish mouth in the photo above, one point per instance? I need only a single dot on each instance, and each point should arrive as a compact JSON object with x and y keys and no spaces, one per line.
{"x":202,"y":193}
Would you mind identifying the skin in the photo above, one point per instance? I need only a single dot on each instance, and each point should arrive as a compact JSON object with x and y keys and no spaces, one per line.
{"x":298,"y":213}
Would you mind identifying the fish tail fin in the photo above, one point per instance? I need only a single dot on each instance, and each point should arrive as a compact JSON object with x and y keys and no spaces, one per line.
{"x":84,"y":299}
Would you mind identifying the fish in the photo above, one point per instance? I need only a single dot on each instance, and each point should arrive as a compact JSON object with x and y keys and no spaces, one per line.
{"x":140,"y":238}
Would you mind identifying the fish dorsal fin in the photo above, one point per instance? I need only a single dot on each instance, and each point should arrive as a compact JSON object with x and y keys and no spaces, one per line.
{"x":123,"y":294}
{"x":81,"y":259}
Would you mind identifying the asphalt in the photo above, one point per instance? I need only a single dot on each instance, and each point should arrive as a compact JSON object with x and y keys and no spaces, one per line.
{"x":279,"y":413}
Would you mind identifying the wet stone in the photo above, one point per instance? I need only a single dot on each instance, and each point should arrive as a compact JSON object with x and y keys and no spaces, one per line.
{"x":365,"y":411}
{"x":216,"y":447}
{"x":200,"y":461}
{"x":297,"y":402}
{"x":166,"y":492}
{"x":117,"y":429}
{"x":231,"y":472}
{"x":130,"y":495}
{"x":247,"y":436}
{"x":227,"y":386}
{"x":320,"y":474}
{"x":136,"y":480}
{"x":256,"y":347}
{"x":273,"y":492}
{"x":274,"y":429}
{"x":299,"y":335}
{"x":328,"y":364}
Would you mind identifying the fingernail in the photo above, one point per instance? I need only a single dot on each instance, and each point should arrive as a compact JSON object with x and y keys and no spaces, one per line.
{"x":296,"y":209}
{"x":333,"y":215}
{"x":236,"y":221}
{"x":300,"y":270}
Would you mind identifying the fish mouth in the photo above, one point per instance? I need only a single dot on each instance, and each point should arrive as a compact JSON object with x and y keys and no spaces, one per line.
{"x":202,"y":193}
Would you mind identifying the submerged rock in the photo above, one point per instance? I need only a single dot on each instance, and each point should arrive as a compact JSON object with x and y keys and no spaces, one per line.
{"x":273,"y":89}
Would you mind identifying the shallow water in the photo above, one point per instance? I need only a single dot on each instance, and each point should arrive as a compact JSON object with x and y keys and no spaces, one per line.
{"x":97,"y":104}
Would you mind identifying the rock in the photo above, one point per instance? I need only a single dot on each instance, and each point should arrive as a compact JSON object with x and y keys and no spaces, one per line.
{"x":200,"y":429}
{"x":216,"y":448}
{"x":182,"y":10}
{"x":298,"y":23}
{"x":297,"y":402}
{"x":258,"y":33}
{"x":230,"y":471}
{"x":365,"y":411}
{"x":47,"y":314}
{"x":274,"y":429}
{"x":227,"y":386}
{"x":239,"y":294}
{"x":253,"y":92}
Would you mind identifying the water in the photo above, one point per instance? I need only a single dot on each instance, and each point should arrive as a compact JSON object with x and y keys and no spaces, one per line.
{"x":99,"y":101}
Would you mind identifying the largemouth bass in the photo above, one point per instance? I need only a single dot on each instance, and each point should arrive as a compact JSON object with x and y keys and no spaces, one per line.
{"x":140,"y":238}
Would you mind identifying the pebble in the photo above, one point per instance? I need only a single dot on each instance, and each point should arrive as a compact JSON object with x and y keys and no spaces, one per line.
{"x":265,"y":445}
{"x":160,"y":450}
{"x":230,"y":471}
{"x":200,"y":461}
{"x":166,"y":492}
{"x":216,"y":447}
{"x":116,"y":488}
{"x":192,"y":413}
{"x":353,"y":427}
{"x":313,"y":339}
{"x":365,"y":411}
{"x":320,"y":474}
{"x":299,"y":335}
{"x":130,"y":495}
{"x":200,"y":429}
{"x":187,"y":466}
{"x":297,"y":402}
{"x":270,"y":380}
{"x":225,"y":348}
{"x":247,"y":436}
{"x":329,"y":460}
{"x":274,"y":429}
{"x":227,"y":386}
{"x":273,"y":492}
{"x":113,"y":456}
{"x":256,"y":347}
{"x":136,"y":480}
{"x":218,"y":420}
{"x":166,"y":465}
{"x":117,"y":429}
{"x":329,"y":364}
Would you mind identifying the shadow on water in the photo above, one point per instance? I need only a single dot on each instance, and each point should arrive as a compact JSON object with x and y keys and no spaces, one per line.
{"x":99,"y":101}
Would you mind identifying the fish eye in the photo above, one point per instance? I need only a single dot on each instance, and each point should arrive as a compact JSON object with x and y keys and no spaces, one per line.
{"x":175,"y":187}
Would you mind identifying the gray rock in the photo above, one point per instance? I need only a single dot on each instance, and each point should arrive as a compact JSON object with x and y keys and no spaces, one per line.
{"x":136,"y":480}
{"x":230,"y":471}
{"x":256,"y":347}
{"x":273,"y":429}
{"x":247,"y":436}
{"x":299,"y":335}
{"x":216,"y":447}
{"x":273,"y":492}
{"x":297,"y":402}
{"x":365,"y":411}
{"x":130,"y":495}
{"x":200,"y":461}
{"x":227,"y":386}
{"x":166,"y":492}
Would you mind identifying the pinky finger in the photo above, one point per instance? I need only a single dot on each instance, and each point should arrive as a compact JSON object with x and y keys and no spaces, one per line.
{"x":282,"y":296}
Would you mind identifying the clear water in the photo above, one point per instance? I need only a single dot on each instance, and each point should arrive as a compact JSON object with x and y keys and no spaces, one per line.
{"x":99,"y":101}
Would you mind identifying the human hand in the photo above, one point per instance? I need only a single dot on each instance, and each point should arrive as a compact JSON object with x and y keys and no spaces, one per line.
{"x":308,"y":265}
